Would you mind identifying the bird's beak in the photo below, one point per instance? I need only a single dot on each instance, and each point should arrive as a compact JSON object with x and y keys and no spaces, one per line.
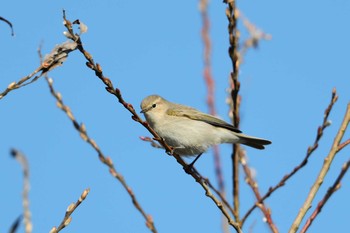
{"x":146,"y":109}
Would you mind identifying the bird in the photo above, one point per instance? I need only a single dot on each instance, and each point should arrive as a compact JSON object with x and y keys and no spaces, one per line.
{"x":190,"y":132}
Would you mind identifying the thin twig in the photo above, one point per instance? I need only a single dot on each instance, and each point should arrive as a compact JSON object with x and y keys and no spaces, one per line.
{"x":57,"y":56}
{"x":342,"y":145}
{"x":329,"y":193}
{"x":309,"y":152}
{"x":210,"y":84}
{"x":255,"y":35}
{"x":8,"y":23}
{"x":117,"y":93}
{"x":71,"y":208}
{"x":105,"y":160}
{"x":15,"y":224}
{"x":254,"y":186}
{"x":324,"y":170}
{"x":20,"y":157}
{"x":232,"y":16}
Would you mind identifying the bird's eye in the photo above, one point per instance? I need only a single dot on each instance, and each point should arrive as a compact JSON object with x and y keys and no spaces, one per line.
{"x":154,"y":105}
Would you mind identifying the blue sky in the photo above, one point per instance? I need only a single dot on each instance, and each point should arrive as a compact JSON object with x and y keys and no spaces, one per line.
{"x":155,"y":47}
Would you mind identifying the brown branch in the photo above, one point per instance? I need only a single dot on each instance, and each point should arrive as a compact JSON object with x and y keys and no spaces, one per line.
{"x":342,"y":145}
{"x":57,"y":56}
{"x":324,"y":170}
{"x":329,"y":193}
{"x":232,"y":16}
{"x":254,"y":186}
{"x":28,"y":226}
{"x":117,"y":93}
{"x":105,"y":160}
{"x":309,"y":152}
{"x":71,"y":208}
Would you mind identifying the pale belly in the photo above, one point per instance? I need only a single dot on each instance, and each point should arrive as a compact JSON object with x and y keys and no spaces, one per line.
{"x":189,"y":137}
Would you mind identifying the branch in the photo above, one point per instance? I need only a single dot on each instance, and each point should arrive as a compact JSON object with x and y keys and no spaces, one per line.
{"x":309,"y":152}
{"x":71,"y":208}
{"x":255,"y":35}
{"x":105,"y":160}
{"x":8,"y":23}
{"x":28,"y":226}
{"x":232,"y":16}
{"x":329,"y":193}
{"x":210,"y":84}
{"x":344,"y":144}
{"x":15,"y":224}
{"x":56,"y":58}
{"x":319,"y":180}
{"x":254,"y":186}
{"x":117,"y":93}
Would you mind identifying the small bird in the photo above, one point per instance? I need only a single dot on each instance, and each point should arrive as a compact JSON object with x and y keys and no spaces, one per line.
{"x":191,"y":132}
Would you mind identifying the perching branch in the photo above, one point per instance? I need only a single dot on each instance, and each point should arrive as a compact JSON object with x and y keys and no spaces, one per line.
{"x":117,"y":93}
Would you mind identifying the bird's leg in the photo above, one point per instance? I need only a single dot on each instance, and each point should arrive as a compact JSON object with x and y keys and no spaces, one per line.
{"x":189,"y":167}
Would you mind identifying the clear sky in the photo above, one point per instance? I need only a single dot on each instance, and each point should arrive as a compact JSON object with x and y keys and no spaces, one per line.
{"x":154,"y":47}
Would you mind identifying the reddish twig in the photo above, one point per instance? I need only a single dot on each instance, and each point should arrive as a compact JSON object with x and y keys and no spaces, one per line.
{"x":329,"y":193}
{"x":342,"y":145}
{"x":254,"y":186}
{"x":310,"y":150}
{"x":210,"y":84}
{"x":117,"y":93}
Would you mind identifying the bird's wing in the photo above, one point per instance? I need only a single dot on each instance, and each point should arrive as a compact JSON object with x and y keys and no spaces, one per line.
{"x":194,"y":114}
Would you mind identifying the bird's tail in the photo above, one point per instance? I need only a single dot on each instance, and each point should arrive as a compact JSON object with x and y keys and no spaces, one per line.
{"x":254,"y":142}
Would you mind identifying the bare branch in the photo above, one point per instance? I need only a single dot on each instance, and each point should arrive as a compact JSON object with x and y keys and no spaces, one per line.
{"x":329,"y":193}
{"x":28,"y":226}
{"x":232,"y":17}
{"x":117,"y":93}
{"x":254,"y":186}
{"x":9,"y":23}
{"x":57,"y":56}
{"x":105,"y":160}
{"x":210,"y":84}
{"x":15,"y":224}
{"x":343,"y":145}
{"x":309,"y":152}
{"x":324,"y":170}
{"x":255,"y":35}
{"x":71,"y":208}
